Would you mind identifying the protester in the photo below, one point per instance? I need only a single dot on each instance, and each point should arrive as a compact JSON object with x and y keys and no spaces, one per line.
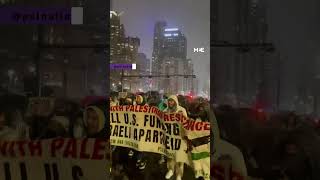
{"x":222,"y":151}
{"x":174,"y":165}
{"x":113,"y":101}
{"x":95,"y":122}
{"x":141,"y":161}
{"x":294,"y":161}
{"x":285,"y":146}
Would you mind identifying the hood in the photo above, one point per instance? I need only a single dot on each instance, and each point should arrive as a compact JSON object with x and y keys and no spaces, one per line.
{"x":140,"y":97}
{"x":175,"y":98}
{"x":178,"y":107}
{"x":143,"y":99}
{"x":102,"y":118}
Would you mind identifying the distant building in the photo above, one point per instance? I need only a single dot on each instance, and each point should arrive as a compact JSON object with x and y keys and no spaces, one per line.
{"x":174,"y":44}
{"x":169,"y":58}
{"x":190,"y":83}
{"x":143,"y":69}
{"x":171,"y":84}
{"x":117,"y":34}
{"x":158,"y":40}
{"x":123,"y":50}
{"x":143,"y":64}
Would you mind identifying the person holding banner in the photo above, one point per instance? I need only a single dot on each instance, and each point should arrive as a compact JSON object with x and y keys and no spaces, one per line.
{"x":113,"y":101}
{"x":174,"y":165}
{"x":141,"y":162}
{"x":129,"y":101}
{"x":200,"y":142}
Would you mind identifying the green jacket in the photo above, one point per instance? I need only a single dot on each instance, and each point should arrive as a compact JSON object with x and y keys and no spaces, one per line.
{"x":162,"y":105}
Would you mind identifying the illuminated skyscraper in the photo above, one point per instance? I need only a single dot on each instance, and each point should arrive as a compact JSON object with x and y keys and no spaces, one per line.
{"x":169,"y":57}
{"x":117,"y":34}
{"x":174,"y":45}
{"x":123,"y":50}
{"x":157,"y":45}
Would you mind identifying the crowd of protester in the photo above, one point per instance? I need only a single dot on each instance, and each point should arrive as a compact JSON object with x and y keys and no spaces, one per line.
{"x":22,"y":120}
{"x":281,"y":145}
{"x":278,"y":145}
{"x":196,"y":108}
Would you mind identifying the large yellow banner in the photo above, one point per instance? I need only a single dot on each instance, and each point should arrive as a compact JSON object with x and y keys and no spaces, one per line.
{"x":147,"y":129}
{"x":53,"y":159}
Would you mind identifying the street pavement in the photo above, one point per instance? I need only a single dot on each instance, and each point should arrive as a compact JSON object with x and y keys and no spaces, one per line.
{"x":153,"y":170}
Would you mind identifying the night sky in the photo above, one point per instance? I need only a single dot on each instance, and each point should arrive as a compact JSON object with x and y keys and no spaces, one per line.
{"x":193,"y":19}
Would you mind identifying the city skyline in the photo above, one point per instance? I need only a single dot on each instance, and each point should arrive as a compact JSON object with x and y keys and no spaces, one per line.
{"x":194,"y":24}
{"x":169,"y":58}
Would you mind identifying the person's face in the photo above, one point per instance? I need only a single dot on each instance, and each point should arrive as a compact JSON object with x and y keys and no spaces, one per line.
{"x":92,"y":121}
{"x":138,"y":100}
{"x":171,"y":103}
